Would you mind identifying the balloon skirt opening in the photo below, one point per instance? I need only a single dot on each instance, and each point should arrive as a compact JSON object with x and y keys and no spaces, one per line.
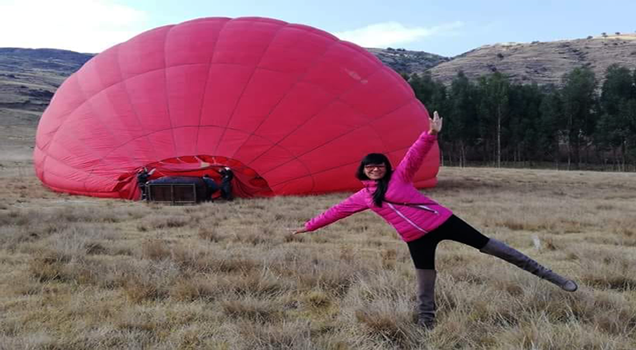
{"x":247,"y":182}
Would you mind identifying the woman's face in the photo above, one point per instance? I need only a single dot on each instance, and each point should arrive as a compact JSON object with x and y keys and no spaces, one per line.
{"x":375,"y":171}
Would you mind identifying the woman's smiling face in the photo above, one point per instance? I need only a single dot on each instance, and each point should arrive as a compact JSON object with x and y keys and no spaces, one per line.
{"x":375,"y":171}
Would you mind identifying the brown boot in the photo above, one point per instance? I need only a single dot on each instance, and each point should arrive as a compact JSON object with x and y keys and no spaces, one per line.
{"x":515,"y":257}
{"x":426,"y":297}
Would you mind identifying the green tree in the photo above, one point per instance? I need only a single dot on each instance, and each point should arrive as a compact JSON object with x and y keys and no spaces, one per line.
{"x":618,"y":86}
{"x":550,"y":125}
{"x":462,"y":117}
{"x":494,"y":91}
{"x":432,"y":94}
{"x":615,"y":125}
{"x":524,"y":121}
{"x":579,"y":110}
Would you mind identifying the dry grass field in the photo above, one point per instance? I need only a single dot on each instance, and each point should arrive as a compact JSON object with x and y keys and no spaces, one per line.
{"x":85,"y":273}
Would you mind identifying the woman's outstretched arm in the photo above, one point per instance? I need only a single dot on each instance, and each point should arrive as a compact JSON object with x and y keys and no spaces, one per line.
{"x":354,"y":204}
{"x":415,"y":155}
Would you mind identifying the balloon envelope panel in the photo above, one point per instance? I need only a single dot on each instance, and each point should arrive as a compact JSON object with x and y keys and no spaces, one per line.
{"x":290,"y":108}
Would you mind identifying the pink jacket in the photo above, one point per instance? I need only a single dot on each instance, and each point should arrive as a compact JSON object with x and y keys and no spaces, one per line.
{"x":410,"y":221}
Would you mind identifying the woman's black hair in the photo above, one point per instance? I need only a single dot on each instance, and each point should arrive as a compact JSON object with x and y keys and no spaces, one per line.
{"x":383,"y":183}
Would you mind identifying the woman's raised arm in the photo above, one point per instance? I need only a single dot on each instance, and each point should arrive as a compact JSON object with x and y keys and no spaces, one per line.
{"x":415,"y":155}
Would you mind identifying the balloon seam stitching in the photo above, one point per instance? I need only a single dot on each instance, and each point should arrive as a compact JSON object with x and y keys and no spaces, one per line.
{"x":205,"y":88}
{"x":94,"y":116}
{"x":350,"y":131}
{"x":328,"y":169}
{"x":335,"y":98}
{"x":147,"y":72}
{"x":132,"y":106}
{"x":298,"y":80}
{"x":165,"y":77}
{"x":238,"y":101}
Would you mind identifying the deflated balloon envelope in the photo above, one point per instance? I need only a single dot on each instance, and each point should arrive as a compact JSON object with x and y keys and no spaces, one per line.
{"x":290,"y":108}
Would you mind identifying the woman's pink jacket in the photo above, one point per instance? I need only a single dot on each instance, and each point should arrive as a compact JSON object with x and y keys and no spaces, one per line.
{"x":411,"y":221}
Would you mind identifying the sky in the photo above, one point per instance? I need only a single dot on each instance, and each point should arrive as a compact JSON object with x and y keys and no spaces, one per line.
{"x":443,"y":27}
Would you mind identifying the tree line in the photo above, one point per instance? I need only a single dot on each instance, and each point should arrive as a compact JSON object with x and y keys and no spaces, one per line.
{"x":580,"y":125}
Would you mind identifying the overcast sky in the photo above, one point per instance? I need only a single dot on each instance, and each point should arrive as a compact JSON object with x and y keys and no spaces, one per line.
{"x":444,"y":27}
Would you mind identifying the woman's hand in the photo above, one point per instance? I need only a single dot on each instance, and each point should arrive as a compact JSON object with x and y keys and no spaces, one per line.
{"x":435,"y":124}
{"x":300,"y":230}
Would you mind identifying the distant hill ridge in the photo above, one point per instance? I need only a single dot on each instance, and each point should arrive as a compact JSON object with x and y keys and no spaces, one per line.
{"x":542,"y":63}
{"x":406,"y":61}
{"x":29,"y":77}
{"x":59,"y":60}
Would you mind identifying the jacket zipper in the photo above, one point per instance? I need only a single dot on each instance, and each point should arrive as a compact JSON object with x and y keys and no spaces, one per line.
{"x":406,"y":219}
{"x":414,"y":205}
{"x":427,"y":208}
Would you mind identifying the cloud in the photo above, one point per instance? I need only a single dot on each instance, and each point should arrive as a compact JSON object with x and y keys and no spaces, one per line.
{"x":78,"y":25}
{"x":393,"y":33}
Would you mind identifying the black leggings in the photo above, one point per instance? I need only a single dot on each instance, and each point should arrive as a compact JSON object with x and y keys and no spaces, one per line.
{"x":423,"y":249}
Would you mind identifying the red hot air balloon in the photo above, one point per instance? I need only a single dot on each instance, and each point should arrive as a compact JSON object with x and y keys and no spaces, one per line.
{"x":290,"y":108}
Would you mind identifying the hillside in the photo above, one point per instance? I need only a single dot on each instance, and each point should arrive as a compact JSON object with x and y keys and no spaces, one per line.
{"x":28,"y":80}
{"x":29,"y":77}
{"x":405,"y":61}
{"x":542,"y":62}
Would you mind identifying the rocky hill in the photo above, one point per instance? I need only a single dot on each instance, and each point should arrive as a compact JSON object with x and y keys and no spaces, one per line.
{"x":542,"y":62}
{"x":408,"y":62}
{"x":29,"y":77}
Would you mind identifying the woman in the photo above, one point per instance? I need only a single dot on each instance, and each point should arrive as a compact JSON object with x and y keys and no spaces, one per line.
{"x":421,"y":222}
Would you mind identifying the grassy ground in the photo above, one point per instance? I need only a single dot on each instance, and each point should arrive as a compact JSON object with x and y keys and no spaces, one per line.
{"x":84,"y":273}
